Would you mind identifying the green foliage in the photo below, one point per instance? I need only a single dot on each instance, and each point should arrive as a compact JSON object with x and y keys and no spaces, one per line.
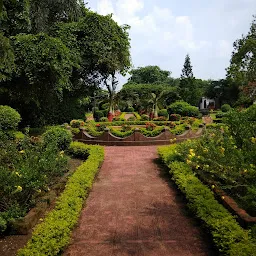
{"x":225,"y":108}
{"x":59,"y":136}
{"x":53,"y":234}
{"x":9,"y":118}
{"x":130,"y":109}
{"x":188,"y":89}
{"x":226,"y":232}
{"x":183,"y":108}
{"x":98,"y":115}
{"x":175,"y":117}
{"x":77,"y":123}
{"x":6,"y":58}
{"x":27,"y":168}
{"x":43,"y":61}
{"x":93,"y":130}
{"x":125,"y":132}
{"x":149,"y":75}
{"x":152,"y":132}
{"x":220,"y":115}
{"x":103,"y":119}
{"x":17,"y":11}
{"x":243,"y":61}
{"x":164,"y":113}
{"x":144,"y":117}
{"x":178,"y":129}
{"x":137,"y":115}
{"x":131,"y":118}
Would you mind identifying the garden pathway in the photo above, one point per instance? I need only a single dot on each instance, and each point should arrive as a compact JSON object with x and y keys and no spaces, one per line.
{"x":133,"y":209}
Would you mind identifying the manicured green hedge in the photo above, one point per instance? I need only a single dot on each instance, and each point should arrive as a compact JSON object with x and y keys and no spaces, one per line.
{"x":121,"y":134}
{"x":119,"y":123}
{"x":228,"y":236}
{"x":53,"y":234}
{"x":157,"y":131}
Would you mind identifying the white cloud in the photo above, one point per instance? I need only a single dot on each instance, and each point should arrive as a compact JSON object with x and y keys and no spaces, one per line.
{"x":105,"y":7}
{"x":163,"y":32}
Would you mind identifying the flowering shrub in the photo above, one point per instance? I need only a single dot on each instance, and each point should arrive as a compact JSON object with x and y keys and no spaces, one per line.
{"x":100,"y":127}
{"x":172,"y":124}
{"x":27,"y":168}
{"x":126,"y":127}
{"x":150,"y":126}
{"x":221,"y":157}
{"x":77,"y":123}
{"x":175,"y":117}
{"x":144,"y":117}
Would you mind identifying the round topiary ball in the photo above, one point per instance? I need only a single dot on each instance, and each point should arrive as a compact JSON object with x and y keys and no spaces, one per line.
{"x":9,"y":118}
{"x":58,"y":136}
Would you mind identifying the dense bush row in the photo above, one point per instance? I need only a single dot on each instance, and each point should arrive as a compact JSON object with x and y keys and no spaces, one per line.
{"x":53,"y":234}
{"x":228,"y":236}
{"x":183,"y":108}
{"x":28,"y":166}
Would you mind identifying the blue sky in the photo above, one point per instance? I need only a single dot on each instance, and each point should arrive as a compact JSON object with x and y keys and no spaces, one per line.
{"x":164,"y":31}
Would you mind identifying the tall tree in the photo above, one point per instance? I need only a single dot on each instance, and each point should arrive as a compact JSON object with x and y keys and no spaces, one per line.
{"x":44,"y":14}
{"x":187,"y":83}
{"x":242,"y":69}
{"x":149,"y":75}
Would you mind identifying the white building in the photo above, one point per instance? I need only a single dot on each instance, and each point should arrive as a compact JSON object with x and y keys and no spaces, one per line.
{"x":206,"y":103}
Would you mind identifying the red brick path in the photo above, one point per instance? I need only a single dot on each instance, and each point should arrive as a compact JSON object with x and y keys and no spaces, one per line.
{"x":132,"y":210}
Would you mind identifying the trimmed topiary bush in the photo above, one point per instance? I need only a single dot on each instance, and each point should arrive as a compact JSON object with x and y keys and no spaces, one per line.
{"x":98,"y":115}
{"x":225,"y":108}
{"x":183,"y":108}
{"x":104,"y":119}
{"x":175,"y":117}
{"x":144,"y":117}
{"x":60,"y":136}
{"x":9,"y":118}
{"x":164,"y":113}
{"x":130,"y":109}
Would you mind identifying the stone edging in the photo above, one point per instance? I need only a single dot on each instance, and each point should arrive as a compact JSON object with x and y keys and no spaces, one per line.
{"x":137,"y":139}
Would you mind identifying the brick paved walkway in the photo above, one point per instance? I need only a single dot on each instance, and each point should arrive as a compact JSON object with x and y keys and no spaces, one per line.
{"x":132,"y":210}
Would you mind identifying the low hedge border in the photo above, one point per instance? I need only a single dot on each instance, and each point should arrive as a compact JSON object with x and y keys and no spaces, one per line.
{"x":121,"y":134}
{"x":120,"y":123}
{"x":52,"y":235}
{"x":229,"y":238}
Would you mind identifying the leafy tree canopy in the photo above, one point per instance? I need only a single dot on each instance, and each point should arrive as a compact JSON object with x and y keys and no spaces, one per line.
{"x":149,"y":75}
{"x":243,"y":60}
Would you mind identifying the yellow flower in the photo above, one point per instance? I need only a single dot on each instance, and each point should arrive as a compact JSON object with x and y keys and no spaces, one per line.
{"x":245,"y":171}
{"x":206,"y":150}
{"x":223,"y":197}
{"x":18,"y":188}
{"x":39,"y":191}
{"x":188,"y":161}
{"x":198,"y":157}
{"x":191,"y":150}
{"x":213,"y":186}
{"x":19,"y":175}
{"x":253,"y":140}
{"x":206,"y":166}
{"x":41,"y":219}
{"x":198,"y":166}
{"x":22,"y":151}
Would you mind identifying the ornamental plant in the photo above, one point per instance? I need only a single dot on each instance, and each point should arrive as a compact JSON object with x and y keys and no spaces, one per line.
{"x":100,"y":127}
{"x":150,"y":126}
{"x":175,"y":117}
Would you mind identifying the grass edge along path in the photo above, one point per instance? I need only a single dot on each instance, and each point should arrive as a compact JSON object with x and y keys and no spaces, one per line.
{"x":228,"y":236}
{"x":52,"y":235}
